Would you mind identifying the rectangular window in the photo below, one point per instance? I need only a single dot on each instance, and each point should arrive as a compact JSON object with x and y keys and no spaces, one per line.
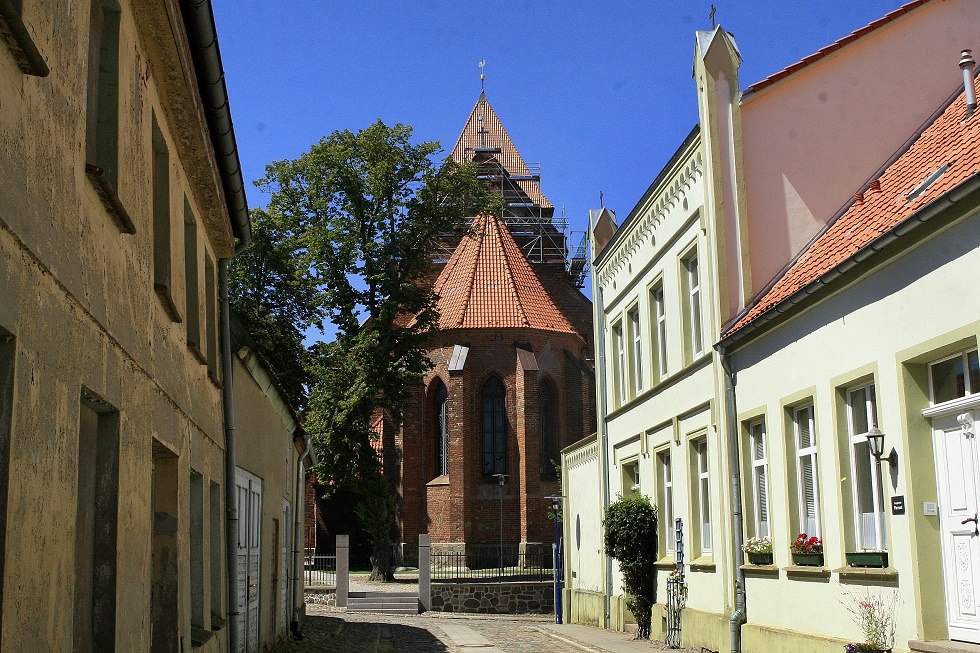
{"x":215,"y":524}
{"x":665,"y":491}
{"x":192,"y":299}
{"x":102,"y":118}
{"x":807,"y":491}
{"x":619,"y":363}
{"x":197,"y":549}
{"x":7,"y":356}
{"x":760,"y":473}
{"x":631,"y":478}
{"x":866,"y":485}
{"x":210,"y":319}
{"x":96,"y":525}
{"x":660,"y":316}
{"x":954,"y":377}
{"x":703,"y":496}
{"x":636,"y":353}
{"x":162,"y":244}
{"x":164,"y":512}
{"x":694,"y":305}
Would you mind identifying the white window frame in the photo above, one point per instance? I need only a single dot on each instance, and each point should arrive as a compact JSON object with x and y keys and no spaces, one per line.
{"x":968,"y":386}
{"x":667,"y":489}
{"x":877,"y":490}
{"x":633,"y":318}
{"x":620,"y":360}
{"x":704,"y":487}
{"x":811,"y":453}
{"x":760,"y":467}
{"x":692,"y":269}
{"x":661,"y":308}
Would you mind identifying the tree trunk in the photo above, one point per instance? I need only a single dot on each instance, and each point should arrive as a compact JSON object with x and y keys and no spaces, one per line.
{"x":381,"y":562}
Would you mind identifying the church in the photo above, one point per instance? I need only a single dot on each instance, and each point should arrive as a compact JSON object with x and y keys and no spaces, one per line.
{"x":513,"y":378}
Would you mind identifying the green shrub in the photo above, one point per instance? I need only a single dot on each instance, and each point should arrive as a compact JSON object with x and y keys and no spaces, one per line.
{"x":630,"y":536}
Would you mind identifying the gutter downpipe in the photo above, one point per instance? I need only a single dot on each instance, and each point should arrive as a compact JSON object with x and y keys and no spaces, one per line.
{"x":299,"y":508}
{"x":604,"y":443}
{"x":738,"y":557}
{"x":231,"y":484}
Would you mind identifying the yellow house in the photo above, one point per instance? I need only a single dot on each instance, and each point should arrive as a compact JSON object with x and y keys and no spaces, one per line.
{"x":122,"y":202}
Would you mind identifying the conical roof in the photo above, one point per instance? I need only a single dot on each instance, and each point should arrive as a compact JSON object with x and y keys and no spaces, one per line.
{"x":487,"y":283}
{"x":483,"y":132}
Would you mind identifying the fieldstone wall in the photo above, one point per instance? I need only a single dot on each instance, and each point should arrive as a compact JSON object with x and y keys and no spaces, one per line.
{"x":494,"y":598}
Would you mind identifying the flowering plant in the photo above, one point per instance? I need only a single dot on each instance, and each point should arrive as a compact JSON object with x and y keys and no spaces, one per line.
{"x":758,"y":545}
{"x":803,"y":544}
{"x":676,"y":577}
{"x":875,"y":616}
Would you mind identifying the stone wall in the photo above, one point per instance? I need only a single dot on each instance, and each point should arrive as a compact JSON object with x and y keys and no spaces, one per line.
{"x":494,"y":598}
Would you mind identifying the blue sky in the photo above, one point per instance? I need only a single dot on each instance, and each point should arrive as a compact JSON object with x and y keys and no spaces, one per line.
{"x":599,"y":93}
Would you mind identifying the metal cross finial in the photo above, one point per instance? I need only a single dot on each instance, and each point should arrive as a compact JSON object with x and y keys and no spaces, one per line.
{"x":483,"y":77}
{"x":711,"y":15}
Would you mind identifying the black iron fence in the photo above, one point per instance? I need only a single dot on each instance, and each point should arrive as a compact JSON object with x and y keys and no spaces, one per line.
{"x":320,"y":571}
{"x":492,"y":564}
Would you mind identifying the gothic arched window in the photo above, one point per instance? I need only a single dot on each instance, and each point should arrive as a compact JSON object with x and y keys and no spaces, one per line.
{"x":494,"y":428}
{"x":549,"y":429}
{"x":441,"y":414}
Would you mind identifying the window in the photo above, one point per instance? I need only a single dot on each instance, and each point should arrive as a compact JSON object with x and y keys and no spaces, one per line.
{"x":215,"y":523}
{"x":494,"y":428}
{"x":7,"y":355}
{"x":954,"y":377}
{"x":620,"y":362}
{"x":192,"y":298}
{"x":691,"y":282}
{"x":19,"y":41}
{"x":441,"y":412}
{"x":210,"y":322}
{"x":549,"y":430}
{"x":102,"y":109}
{"x":162,"y":245}
{"x":96,"y":525}
{"x":866,"y":486}
{"x":665,"y":492}
{"x":703,"y":496}
{"x":760,"y":488}
{"x":660,"y":317}
{"x":807,"y":492}
{"x":631,"y":478}
{"x":636,"y":353}
{"x":197,"y":549}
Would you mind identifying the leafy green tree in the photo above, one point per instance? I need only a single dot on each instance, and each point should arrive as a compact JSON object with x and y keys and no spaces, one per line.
{"x":630,"y":536}
{"x":275,"y":299}
{"x":364,"y":210}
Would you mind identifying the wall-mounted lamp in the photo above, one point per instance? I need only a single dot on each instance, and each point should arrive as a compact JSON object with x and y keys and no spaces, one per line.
{"x":876,"y":442}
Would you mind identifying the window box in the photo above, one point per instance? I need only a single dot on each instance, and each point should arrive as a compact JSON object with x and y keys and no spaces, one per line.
{"x":808,"y":559}
{"x":760,"y":558}
{"x":867,"y":559}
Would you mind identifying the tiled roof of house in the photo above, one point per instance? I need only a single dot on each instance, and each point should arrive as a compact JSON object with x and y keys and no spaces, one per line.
{"x":484,"y":130}
{"x":833,"y":47}
{"x":487,"y":283}
{"x":948,"y":147}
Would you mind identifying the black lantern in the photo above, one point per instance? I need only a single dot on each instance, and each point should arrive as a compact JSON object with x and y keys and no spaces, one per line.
{"x":876,"y":442}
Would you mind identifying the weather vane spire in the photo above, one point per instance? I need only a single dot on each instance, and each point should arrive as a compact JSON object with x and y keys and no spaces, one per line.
{"x":483,"y":77}
{"x":711,"y":14}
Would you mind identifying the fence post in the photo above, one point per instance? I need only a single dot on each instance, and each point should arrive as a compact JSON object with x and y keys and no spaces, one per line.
{"x":343,"y":569}
{"x":425,"y":573}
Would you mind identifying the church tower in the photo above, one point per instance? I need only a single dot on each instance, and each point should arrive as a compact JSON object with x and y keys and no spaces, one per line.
{"x":513,"y":380}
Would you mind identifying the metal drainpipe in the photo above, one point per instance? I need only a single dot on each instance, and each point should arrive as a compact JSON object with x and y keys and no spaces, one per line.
{"x":299,"y":510}
{"x":231,"y":485}
{"x":738,"y":557}
{"x":598,"y":327}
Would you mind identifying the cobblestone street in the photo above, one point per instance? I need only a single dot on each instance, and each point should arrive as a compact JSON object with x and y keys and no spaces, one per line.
{"x":333,"y":631}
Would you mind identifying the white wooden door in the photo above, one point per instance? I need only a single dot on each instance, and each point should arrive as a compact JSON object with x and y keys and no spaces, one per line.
{"x":249,"y":558}
{"x":958,"y":474}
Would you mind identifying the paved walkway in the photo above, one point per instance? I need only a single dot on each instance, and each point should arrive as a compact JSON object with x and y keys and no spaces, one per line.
{"x":329,"y":630}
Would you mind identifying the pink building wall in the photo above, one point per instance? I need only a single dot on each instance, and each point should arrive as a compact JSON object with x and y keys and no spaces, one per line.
{"x":813,"y":138}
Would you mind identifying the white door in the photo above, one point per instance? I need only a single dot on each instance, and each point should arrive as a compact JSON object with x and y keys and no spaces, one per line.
{"x":249,"y":539}
{"x":958,"y":474}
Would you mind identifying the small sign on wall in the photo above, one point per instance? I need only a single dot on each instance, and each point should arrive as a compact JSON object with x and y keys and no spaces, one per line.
{"x":898,"y":505}
{"x":930,"y":508}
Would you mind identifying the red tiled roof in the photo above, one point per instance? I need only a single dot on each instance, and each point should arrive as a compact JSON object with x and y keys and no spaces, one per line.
{"x":494,"y":135}
{"x":833,"y":47}
{"x":883,"y":204}
{"x":487,"y":283}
